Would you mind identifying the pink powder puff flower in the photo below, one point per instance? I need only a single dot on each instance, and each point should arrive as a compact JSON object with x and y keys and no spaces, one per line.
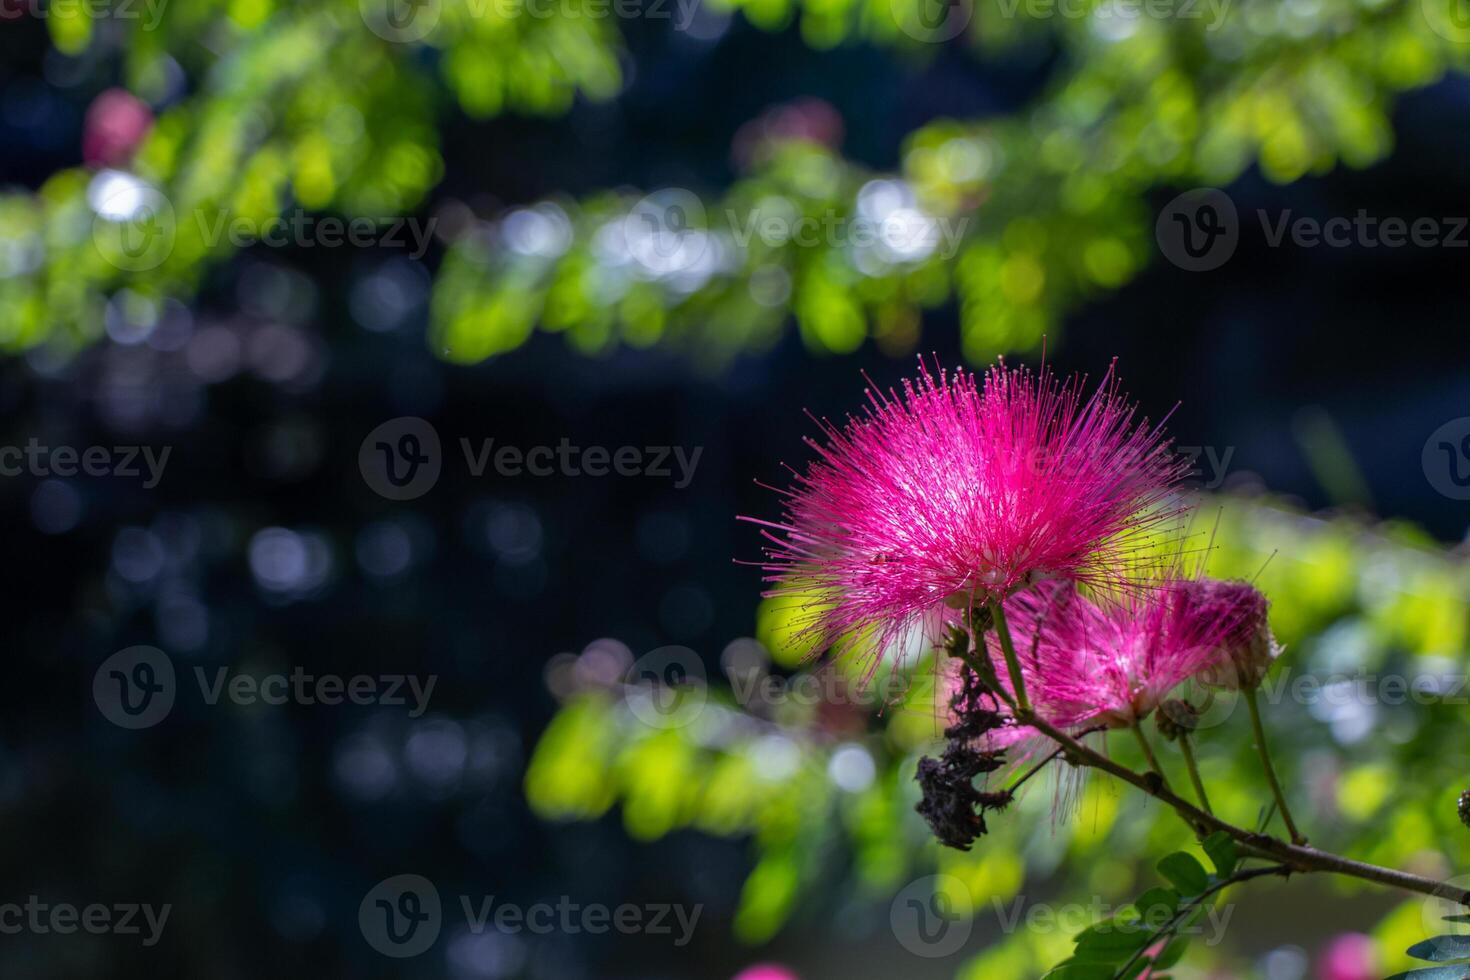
{"x":1247,"y":646}
{"x":959,"y":492}
{"x":1113,"y":661}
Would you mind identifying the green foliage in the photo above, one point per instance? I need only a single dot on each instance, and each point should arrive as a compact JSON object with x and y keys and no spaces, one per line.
{"x":1353,"y":602}
{"x":1149,"y":935}
{"x":1451,"y":950}
{"x":1016,"y":220}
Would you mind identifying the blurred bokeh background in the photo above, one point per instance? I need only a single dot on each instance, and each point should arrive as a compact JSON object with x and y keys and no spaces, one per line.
{"x":577,"y":223}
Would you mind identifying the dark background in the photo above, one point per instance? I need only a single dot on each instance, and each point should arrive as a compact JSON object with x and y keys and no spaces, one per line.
{"x":259,"y":825}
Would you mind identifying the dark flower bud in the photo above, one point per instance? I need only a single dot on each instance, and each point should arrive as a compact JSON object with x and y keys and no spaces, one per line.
{"x":1245,"y":646}
{"x":949,"y":805}
{"x":1176,"y":718}
{"x":952,"y":806}
{"x":1465,"y":808}
{"x":957,"y":642}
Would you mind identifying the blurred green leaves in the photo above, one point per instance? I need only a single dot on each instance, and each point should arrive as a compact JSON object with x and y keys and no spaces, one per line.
{"x":1016,"y":220}
{"x":1341,"y":592}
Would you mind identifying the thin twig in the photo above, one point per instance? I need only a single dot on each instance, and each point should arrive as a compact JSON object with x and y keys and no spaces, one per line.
{"x":1049,"y":759}
{"x":1189,"y":763}
{"x":1296,"y":856}
{"x":1182,"y":914}
{"x":1148,"y":753}
{"x":1249,"y":693}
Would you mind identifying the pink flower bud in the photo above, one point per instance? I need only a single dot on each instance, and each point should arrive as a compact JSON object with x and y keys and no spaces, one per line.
{"x":1350,"y":956}
{"x":1246,"y":649}
{"x":116,"y":124}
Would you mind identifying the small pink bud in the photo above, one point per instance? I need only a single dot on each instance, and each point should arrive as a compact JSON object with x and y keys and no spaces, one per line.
{"x":1246,"y":648}
{"x":117,"y":121}
{"x":766,"y":971}
{"x":1351,"y":956}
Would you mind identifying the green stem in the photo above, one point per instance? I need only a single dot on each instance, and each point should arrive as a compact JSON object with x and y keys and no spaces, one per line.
{"x":1260,"y":735}
{"x":1189,"y":907}
{"x":1148,"y":753}
{"x":1013,"y":663}
{"x":1189,"y":763}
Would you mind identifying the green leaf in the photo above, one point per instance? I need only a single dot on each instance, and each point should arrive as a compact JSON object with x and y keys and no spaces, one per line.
{"x":1071,"y":970}
{"x":1155,"y":898}
{"x":1434,"y":973}
{"x":1223,"y":853}
{"x":1133,"y":971}
{"x":1185,"y":873}
{"x":1196,"y":913}
{"x":1172,"y":953}
{"x":1111,"y":941}
{"x":1441,"y":949}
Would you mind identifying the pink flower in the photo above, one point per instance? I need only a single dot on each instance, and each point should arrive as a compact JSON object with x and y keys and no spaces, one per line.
{"x":1110,"y":662}
{"x":956,"y":492}
{"x":1247,"y":647}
